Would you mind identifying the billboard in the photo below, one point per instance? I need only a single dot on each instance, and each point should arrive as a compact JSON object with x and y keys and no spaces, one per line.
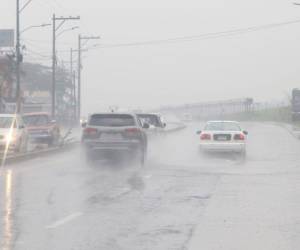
{"x":7,"y":38}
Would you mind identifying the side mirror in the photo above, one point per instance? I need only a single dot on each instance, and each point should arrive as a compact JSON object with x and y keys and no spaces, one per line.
{"x":198,"y":132}
{"x":164,"y":125}
{"x":245,"y":132}
{"x":146,"y":125}
{"x":84,"y":124}
{"x":21,"y":126}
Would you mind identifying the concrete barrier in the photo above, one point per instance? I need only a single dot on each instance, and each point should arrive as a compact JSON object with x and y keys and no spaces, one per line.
{"x":38,"y":153}
{"x":175,"y":126}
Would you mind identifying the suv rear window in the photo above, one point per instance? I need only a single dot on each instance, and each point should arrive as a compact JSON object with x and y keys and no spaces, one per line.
{"x":112,"y":120}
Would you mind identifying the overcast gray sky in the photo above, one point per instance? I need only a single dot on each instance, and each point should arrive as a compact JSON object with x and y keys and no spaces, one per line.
{"x":264,"y":64}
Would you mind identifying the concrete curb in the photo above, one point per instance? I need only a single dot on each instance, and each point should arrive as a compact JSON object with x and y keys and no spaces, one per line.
{"x":179,"y":126}
{"x":39,"y":153}
{"x":289,"y":128}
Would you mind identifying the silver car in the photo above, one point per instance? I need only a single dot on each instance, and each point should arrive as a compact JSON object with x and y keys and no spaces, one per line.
{"x":114,"y":134}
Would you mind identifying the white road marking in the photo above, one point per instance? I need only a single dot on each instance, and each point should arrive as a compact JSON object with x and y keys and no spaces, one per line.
{"x":64,"y":220}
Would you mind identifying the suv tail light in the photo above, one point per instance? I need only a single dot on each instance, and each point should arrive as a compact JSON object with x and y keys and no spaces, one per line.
{"x":132,"y":130}
{"x":90,"y":131}
{"x":205,"y":137}
{"x":240,"y":137}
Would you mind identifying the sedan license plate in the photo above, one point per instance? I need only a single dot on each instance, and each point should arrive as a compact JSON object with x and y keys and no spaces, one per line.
{"x":110,"y":137}
{"x":222,"y":138}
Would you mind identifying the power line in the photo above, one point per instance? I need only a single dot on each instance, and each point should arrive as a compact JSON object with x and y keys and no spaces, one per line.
{"x":205,"y":36}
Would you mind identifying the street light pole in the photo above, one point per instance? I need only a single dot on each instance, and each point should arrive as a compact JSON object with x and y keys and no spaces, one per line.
{"x":79,"y":78}
{"x":18,"y":58}
{"x":80,"y":38}
{"x":53,"y":91}
{"x":54,"y":61}
{"x":72,"y":77}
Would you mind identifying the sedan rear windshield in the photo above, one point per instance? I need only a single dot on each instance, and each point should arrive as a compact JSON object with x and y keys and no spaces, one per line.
{"x":222,"y":126}
{"x":112,"y":120}
{"x":36,"y":120}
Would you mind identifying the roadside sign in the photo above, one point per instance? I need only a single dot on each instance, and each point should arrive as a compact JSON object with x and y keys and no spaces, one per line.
{"x":7,"y":38}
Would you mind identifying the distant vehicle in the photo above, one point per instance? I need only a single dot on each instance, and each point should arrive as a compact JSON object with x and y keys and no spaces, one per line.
{"x":107,"y":133}
{"x":13,"y":133}
{"x":41,"y":128}
{"x":223,"y":136}
{"x":155,"y":121}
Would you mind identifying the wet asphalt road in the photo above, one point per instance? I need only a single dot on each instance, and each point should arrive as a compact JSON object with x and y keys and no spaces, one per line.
{"x":59,"y":202}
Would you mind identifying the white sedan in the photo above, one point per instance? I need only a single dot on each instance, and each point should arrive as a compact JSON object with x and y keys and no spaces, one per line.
{"x":223,"y":136}
{"x":13,"y":133}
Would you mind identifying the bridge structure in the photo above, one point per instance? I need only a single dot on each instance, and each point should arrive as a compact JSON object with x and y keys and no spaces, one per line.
{"x":211,"y":110}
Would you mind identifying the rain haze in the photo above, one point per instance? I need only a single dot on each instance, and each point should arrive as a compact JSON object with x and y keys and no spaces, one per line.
{"x":263,"y":64}
{"x":154,"y":125}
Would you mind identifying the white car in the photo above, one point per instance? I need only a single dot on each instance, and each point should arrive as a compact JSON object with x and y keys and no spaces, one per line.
{"x":13,"y":133}
{"x":223,"y":136}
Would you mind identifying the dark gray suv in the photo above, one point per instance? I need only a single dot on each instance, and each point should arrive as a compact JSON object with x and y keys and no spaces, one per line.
{"x":113,"y":135}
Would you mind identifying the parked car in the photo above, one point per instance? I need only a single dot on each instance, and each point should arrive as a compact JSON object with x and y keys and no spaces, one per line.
{"x":13,"y":133}
{"x":223,"y":136}
{"x":41,"y":128}
{"x":105,"y":134}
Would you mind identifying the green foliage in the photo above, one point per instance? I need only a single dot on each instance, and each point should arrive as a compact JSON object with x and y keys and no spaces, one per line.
{"x":280,"y":114}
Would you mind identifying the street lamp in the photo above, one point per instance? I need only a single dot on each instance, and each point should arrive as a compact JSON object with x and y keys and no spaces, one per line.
{"x":35,"y":26}
{"x":19,"y":10}
{"x":54,"y":36}
{"x":66,"y":30}
{"x":80,"y":39}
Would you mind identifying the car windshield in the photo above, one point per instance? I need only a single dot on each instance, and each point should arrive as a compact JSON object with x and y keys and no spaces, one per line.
{"x":222,"y":126}
{"x":112,"y":120}
{"x":36,"y":120}
{"x":6,"y":122}
{"x":150,"y":119}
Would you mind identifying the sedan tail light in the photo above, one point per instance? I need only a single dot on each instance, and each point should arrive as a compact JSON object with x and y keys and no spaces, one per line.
{"x":240,"y":137}
{"x":90,"y":131}
{"x":205,"y":137}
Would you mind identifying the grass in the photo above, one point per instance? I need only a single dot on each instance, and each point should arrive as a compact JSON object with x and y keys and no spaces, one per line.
{"x":281,"y":114}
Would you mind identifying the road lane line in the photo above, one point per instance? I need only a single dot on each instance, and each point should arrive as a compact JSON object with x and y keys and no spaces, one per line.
{"x":64,"y":220}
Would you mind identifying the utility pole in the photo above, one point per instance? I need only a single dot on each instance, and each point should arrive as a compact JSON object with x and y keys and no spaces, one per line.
{"x":53,"y":67}
{"x":81,"y":38}
{"x":18,"y":59}
{"x":54,"y":61}
{"x":19,"y":56}
{"x":74,"y":95}
{"x":73,"y":83}
{"x":79,"y":79}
